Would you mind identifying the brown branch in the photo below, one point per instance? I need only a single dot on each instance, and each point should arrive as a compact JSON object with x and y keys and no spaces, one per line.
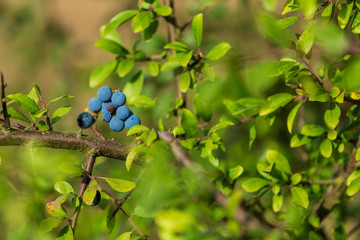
{"x":4,"y":107}
{"x":84,"y":183}
{"x":122,"y":210}
{"x":70,"y":141}
{"x":317,"y":79}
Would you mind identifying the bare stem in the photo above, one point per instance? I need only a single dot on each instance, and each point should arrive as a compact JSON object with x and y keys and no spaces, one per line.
{"x":84,"y":183}
{"x":4,"y":107}
{"x":121,"y":209}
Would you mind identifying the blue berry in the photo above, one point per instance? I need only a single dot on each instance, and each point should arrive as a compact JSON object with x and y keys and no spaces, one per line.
{"x":85,"y":120}
{"x":123,"y":113}
{"x":108,"y":106}
{"x":118,"y":98}
{"x":104,"y":94}
{"x":116,"y":124}
{"x":106,"y":117}
{"x":95,"y":105}
{"x":97,"y":199}
{"x":132,"y":121}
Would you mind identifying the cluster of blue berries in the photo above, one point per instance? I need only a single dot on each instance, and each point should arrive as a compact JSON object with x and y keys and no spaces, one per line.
{"x":113,"y":111}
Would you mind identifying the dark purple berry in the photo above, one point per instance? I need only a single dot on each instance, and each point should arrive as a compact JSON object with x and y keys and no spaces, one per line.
{"x":85,"y":120}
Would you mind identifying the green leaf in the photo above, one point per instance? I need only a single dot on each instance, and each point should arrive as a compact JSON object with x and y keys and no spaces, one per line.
{"x":326,"y":148}
{"x":152,"y":68}
{"x":290,"y":6}
{"x":124,"y":67}
{"x":152,"y":137}
{"x":354,"y":187}
{"x":63,"y":187}
{"x":49,"y":224}
{"x":15,"y":114}
{"x":235,"y":172}
{"x":218,"y":51}
{"x":141,"y":21}
{"x":184,"y":81}
{"x":40,"y":113}
{"x":334,"y":91}
{"x":202,"y":109}
{"x":357,"y":155}
{"x":59,"y":113}
{"x":219,"y":126}
{"x":292,"y":116}
{"x":299,"y":140}
{"x":189,"y":123}
{"x":66,"y":234}
{"x":332,"y":115}
{"x":281,"y":163}
{"x":141,"y":101}
{"x":101,"y":73}
{"x":277,"y":202}
{"x":197,"y":27}
{"x":351,"y":75}
{"x":111,"y":46}
{"x":317,"y":92}
{"x":170,"y":66}
{"x":137,"y":129}
{"x":312,"y":130}
{"x":254,"y":184}
{"x":357,"y":2}
{"x":355,"y":26}
{"x":33,"y":95}
{"x":135,"y":85}
{"x":309,"y":7}
{"x":163,"y":10}
{"x":328,"y":12}
{"x":120,"y":185}
{"x":118,"y":20}
{"x":56,"y":210}
{"x":90,"y":193}
{"x":296,"y":179}
{"x":149,"y":32}
{"x":280,"y":67}
{"x":181,"y":57}
{"x":274,"y":102}
{"x":24,"y":102}
{"x":214,"y":160}
{"x":37,"y":88}
{"x":354,"y":175}
{"x":60,"y":98}
{"x":252,"y":134}
{"x":300,"y":197}
{"x":177,"y":47}
{"x":275,"y":189}
{"x":306,"y":40}
{"x":43,"y":126}
{"x":286,"y":22}
{"x":124,"y":236}
{"x":344,"y":14}
{"x":208,"y":72}
{"x":132,"y":154}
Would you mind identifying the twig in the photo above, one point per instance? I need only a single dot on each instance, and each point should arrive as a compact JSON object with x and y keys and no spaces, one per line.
{"x":97,"y":133}
{"x":123,"y":211}
{"x":4,"y":107}
{"x":122,"y":201}
{"x":353,"y":230}
{"x":318,"y":80}
{"x":84,"y":183}
{"x":47,"y":119}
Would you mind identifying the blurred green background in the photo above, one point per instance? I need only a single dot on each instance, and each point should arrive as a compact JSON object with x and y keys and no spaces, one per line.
{"x":51,"y":43}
